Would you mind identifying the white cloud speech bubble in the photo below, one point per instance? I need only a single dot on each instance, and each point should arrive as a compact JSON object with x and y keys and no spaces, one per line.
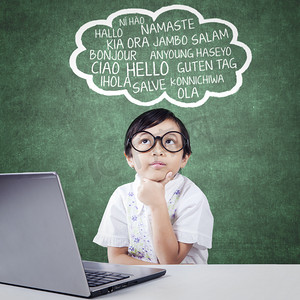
{"x":153,"y":36}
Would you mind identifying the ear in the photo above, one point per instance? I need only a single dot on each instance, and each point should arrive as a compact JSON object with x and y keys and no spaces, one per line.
{"x":129,"y":161}
{"x":184,"y":161}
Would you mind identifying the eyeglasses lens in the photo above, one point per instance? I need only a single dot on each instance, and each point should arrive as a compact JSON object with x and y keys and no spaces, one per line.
{"x":142,"y":141}
{"x":172,"y":141}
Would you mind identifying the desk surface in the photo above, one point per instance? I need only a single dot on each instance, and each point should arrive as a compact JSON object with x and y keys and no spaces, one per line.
{"x":196,"y":282}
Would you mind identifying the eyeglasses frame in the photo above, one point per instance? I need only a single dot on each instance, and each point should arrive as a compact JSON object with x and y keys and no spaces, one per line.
{"x":185,"y":141}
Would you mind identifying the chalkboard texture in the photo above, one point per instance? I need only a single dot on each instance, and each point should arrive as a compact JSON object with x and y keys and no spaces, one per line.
{"x":245,"y":144}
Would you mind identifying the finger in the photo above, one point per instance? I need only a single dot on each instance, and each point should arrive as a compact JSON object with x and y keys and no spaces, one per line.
{"x":168,"y":178}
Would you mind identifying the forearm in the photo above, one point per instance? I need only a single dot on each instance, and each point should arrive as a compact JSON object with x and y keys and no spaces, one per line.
{"x":125,"y":259}
{"x":120,"y":256}
{"x":164,"y":239}
{"x":168,"y":250}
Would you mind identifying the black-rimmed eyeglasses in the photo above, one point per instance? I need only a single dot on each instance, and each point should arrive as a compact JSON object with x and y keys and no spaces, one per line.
{"x":172,"y":141}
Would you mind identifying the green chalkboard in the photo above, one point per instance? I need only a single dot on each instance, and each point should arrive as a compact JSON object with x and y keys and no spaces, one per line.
{"x":65,"y":108}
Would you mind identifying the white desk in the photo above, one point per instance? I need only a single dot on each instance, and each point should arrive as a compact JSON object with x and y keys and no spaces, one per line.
{"x":241,"y":282}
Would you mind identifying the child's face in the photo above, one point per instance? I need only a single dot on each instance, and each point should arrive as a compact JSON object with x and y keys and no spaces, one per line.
{"x":157,"y":162}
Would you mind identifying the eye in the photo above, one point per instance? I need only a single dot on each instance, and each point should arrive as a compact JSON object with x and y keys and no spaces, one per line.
{"x":145,"y":142}
{"x":170,"y":142}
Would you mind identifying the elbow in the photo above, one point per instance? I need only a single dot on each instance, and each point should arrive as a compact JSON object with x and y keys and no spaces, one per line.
{"x":115,"y":258}
{"x":115,"y":255}
{"x":112,"y":260}
{"x":176,"y":260}
{"x":174,"y":257}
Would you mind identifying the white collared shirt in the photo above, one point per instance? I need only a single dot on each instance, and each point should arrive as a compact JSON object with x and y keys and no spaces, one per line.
{"x":127,"y":221}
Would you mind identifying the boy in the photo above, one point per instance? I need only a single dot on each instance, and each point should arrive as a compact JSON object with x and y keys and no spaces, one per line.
{"x":162,"y":217}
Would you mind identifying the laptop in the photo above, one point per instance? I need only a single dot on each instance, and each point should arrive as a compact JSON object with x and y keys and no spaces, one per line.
{"x":38,"y":248}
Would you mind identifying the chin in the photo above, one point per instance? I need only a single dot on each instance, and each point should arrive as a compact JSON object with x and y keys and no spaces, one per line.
{"x":158,"y":176}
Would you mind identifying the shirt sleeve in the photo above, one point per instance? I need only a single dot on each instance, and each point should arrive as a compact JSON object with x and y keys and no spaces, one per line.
{"x":194,"y":224}
{"x":113,"y":230}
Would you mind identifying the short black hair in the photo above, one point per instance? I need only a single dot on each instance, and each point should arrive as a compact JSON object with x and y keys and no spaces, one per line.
{"x":151,"y":118}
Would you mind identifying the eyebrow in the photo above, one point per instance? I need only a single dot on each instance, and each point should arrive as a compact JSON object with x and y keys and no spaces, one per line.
{"x":143,"y":133}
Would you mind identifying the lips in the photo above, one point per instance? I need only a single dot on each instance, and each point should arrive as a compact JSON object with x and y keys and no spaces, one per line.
{"x":158,"y":164}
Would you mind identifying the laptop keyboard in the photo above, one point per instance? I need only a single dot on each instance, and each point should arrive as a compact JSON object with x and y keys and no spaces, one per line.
{"x":96,"y":278}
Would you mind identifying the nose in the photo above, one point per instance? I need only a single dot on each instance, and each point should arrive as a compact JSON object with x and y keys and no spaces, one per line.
{"x":158,"y":148}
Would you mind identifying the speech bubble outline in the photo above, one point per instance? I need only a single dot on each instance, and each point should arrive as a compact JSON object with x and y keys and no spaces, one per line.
{"x":154,"y":15}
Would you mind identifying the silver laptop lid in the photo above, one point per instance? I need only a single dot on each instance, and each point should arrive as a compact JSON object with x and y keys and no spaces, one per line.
{"x":38,"y":248}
